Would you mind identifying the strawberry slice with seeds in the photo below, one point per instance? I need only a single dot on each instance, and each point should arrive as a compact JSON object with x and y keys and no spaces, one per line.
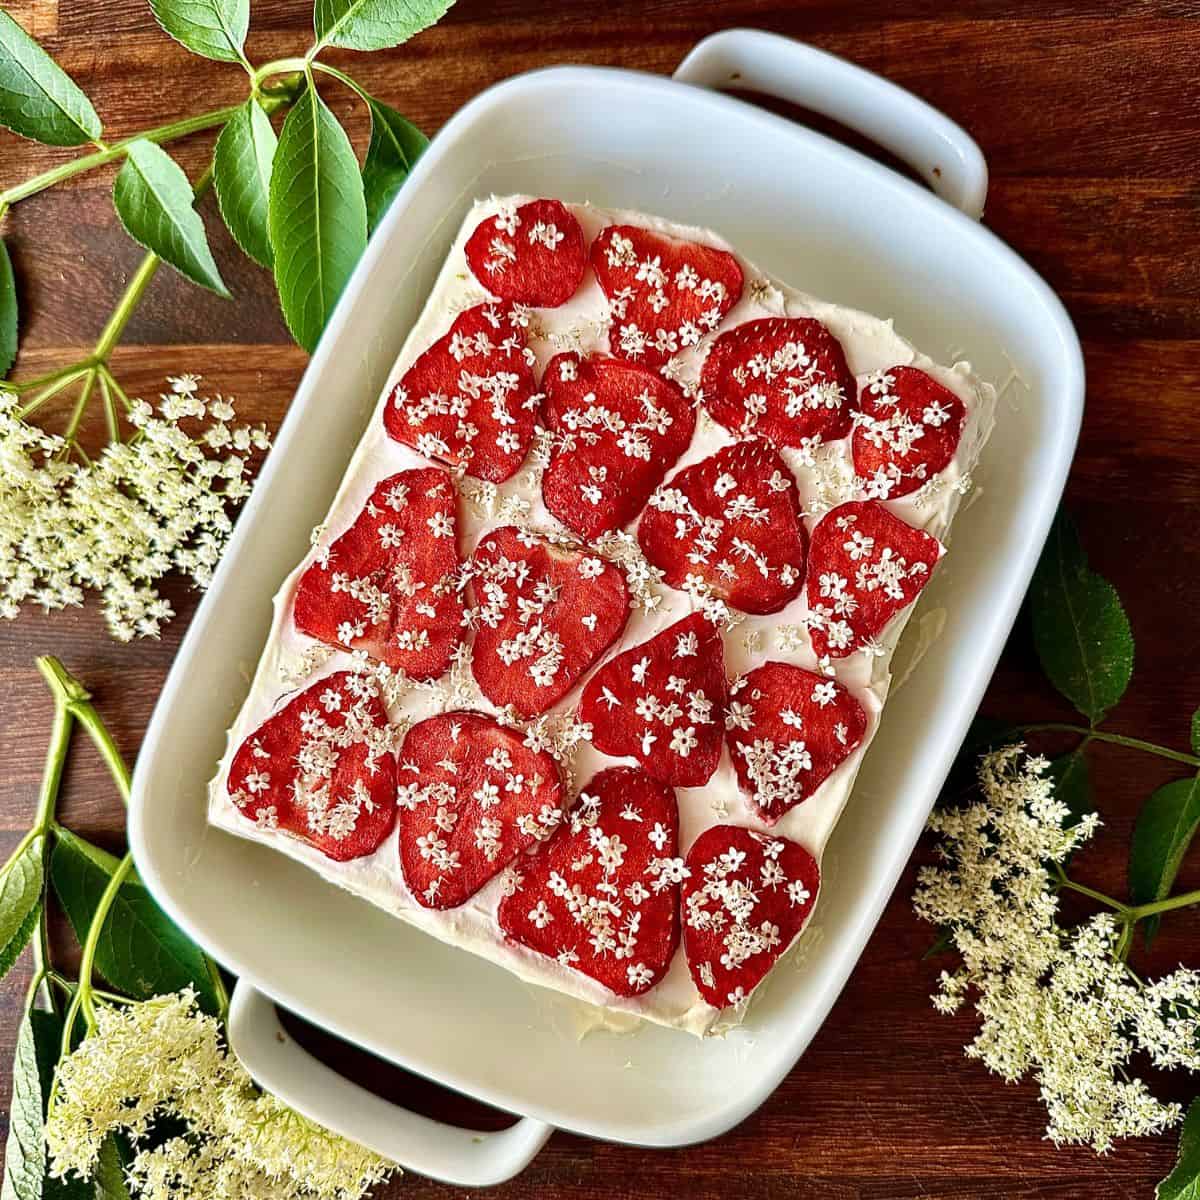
{"x":731,"y":521}
{"x":389,"y":584}
{"x":746,"y":898}
{"x":864,"y":566}
{"x":788,"y":730}
{"x":534,"y":254}
{"x":543,"y":615}
{"x":661,"y":703}
{"x":906,"y":431}
{"x":784,"y":378}
{"x":470,"y":400}
{"x":472,"y":796}
{"x":322,"y":768}
{"x":618,"y":429}
{"x":602,"y":896}
{"x":664,"y":293}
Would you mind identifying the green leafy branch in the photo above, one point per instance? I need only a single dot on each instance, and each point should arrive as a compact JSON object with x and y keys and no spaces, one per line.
{"x":1085,"y":646}
{"x":297,"y":203}
{"x":126,"y":941}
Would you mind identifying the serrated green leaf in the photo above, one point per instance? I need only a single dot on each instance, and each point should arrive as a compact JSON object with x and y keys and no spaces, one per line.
{"x":374,"y":24}
{"x":108,"y":1182}
{"x":1164,"y":830}
{"x":211,"y":28}
{"x":8,"y":312}
{"x":1072,"y":786}
{"x":1196,"y":732}
{"x":141,"y":952}
{"x":38,"y":99}
{"x":318,"y":217}
{"x":25,"y":1151}
{"x":1080,"y":630}
{"x":20,"y":898}
{"x":242,"y":177}
{"x":396,"y":144}
{"x":47,"y":1039}
{"x":1183,"y":1183}
{"x":154,"y":201}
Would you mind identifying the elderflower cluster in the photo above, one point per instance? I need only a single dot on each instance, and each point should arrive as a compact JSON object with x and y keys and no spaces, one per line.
{"x":156,"y":503}
{"x":165,"y":1059}
{"x":1054,"y":1002}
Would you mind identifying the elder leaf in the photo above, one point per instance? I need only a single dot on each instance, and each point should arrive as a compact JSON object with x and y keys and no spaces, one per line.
{"x":8,"y":312}
{"x":1196,"y":732}
{"x":25,"y":1151}
{"x":1183,"y":1183}
{"x":242,"y":177}
{"x":396,"y":144}
{"x":1164,"y":830}
{"x":1080,"y":630}
{"x":210,"y":28}
{"x":20,"y":902}
{"x":374,"y":24}
{"x":38,"y":99}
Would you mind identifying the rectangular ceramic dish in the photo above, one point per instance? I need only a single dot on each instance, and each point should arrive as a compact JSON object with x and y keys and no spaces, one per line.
{"x":833,"y":223}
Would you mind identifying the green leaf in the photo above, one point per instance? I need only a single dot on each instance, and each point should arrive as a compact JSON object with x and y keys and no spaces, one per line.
{"x":141,"y":952}
{"x":1196,"y":732}
{"x":1164,"y":830}
{"x":38,"y":99}
{"x":1183,"y":1183}
{"x":108,"y":1182}
{"x":395,"y":146}
{"x":154,"y":201}
{"x":374,"y":24}
{"x":212,"y":28}
{"x":942,"y":944}
{"x":20,"y":902}
{"x":1079,"y":627}
{"x":8,"y":312}
{"x":318,"y":216}
{"x":25,"y":1151}
{"x":47,"y":1039}
{"x":1069,"y":773}
{"x":242,"y":176}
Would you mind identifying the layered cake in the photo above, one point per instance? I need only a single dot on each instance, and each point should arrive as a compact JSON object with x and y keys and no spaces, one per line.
{"x":582,"y":664}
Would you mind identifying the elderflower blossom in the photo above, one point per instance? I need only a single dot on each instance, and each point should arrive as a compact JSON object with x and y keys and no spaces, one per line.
{"x":116,"y":525}
{"x":1054,"y":1002}
{"x":163,"y":1058}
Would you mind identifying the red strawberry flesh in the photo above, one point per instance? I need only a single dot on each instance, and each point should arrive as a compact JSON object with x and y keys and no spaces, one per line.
{"x":618,"y":429}
{"x":906,"y":431}
{"x":322,"y":768}
{"x":661,"y":702}
{"x":534,"y":254}
{"x":602,"y":896}
{"x":472,"y":797}
{"x":664,"y":293}
{"x":783,"y":378}
{"x":543,"y":615}
{"x":470,"y":400}
{"x":732,"y":519}
{"x":388,"y":585}
{"x":865,"y":565}
{"x":788,"y":730}
{"x":746,"y":897}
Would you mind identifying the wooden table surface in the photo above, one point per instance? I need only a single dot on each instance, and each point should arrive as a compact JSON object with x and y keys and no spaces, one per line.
{"x":1088,"y":114}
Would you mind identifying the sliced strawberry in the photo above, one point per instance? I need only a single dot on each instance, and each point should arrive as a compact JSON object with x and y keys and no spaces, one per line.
{"x":388,"y":585}
{"x":746,"y":897}
{"x":906,"y":431}
{"x":664,"y":293}
{"x":322,"y":768}
{"x":788,"y":730}
{"x":619,"y":429}
{"x":534,"y":254}
{"x":602,"y":897}
{"x":662,"y":702}
{"x":543,"y":615}
{"x":470,"y":399}
{"x":472,"y":797}
{"x":784,"y":378}
{"x":864,"y":566}
{"x":733,"y":521}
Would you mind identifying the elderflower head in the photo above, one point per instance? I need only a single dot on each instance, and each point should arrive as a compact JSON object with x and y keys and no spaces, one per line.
{"x":1056,"y":1002}
{"x":156,"y":503}
{"x":163,"y":1058}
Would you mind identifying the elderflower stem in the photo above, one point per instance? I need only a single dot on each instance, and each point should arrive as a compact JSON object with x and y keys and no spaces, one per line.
{"x":92,"y":941}
{"x":1115,"y":739}
{"x":1084,"y":890}
{"x":64,"y":380}
{"x":1183,"y":900}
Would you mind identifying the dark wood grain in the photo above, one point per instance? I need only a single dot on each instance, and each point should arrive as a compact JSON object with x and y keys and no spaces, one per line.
{"x":1087,"y":112}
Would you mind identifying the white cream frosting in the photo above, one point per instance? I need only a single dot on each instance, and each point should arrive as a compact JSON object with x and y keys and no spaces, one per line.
{"x":291,"y":660}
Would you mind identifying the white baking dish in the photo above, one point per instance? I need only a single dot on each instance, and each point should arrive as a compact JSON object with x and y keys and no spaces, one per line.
{"x":824,"y":219}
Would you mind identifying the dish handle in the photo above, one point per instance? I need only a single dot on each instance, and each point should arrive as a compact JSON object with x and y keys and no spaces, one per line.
{"x":941,"y":152}
{"x":448,"y":1153}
